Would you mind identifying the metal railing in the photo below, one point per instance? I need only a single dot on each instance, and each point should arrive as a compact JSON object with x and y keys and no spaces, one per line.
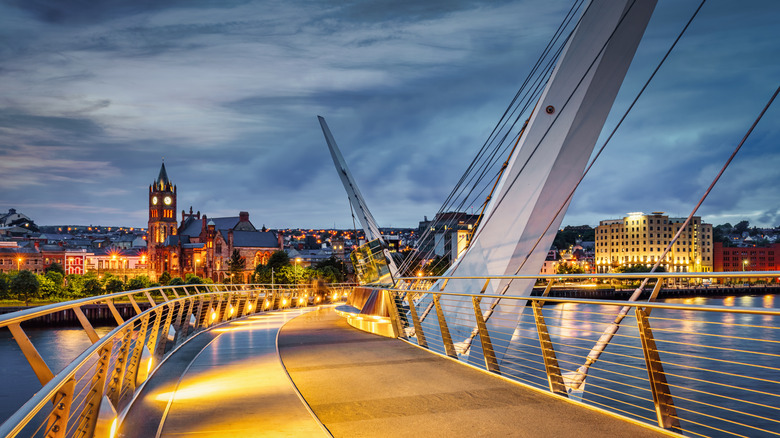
{"x":702,"y":370}
{"x":83,"y":399}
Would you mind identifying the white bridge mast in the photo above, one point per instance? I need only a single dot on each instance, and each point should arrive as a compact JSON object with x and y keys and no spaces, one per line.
{"x":555,"y":147}
{"x":370,"y":228}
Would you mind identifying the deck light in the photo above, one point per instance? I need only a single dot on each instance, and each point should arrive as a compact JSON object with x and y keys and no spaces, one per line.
{"x":144,"y":365}
{"x":107,"y":420}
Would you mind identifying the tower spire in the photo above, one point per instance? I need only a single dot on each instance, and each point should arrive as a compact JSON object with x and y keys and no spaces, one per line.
{"x":162,"y":182}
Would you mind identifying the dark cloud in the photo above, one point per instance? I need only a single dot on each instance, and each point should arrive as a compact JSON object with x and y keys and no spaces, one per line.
{"x":228,"y":93}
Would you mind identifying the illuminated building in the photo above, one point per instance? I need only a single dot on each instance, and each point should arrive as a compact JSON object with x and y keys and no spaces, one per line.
{"x":640,"y":239}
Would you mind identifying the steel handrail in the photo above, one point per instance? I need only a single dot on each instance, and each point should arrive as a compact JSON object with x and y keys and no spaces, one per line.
{"x":564,"y":343}
{"x":133,"y":338}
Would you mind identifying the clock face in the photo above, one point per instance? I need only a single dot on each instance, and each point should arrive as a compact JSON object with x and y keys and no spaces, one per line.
{"x":154,"y":200}
{"x":167,"y":200}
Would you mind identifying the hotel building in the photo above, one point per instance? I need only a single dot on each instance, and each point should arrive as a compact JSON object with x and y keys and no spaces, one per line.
{"x":640,"y":239}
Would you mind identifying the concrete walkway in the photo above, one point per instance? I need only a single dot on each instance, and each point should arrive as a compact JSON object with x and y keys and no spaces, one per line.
{"x":363,"y":385}
{"x":233,"y":385}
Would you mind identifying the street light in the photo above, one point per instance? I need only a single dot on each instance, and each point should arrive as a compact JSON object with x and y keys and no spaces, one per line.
{"x":18,"y":263}
{"x":744,"y":263}
{"x":197,"y":260}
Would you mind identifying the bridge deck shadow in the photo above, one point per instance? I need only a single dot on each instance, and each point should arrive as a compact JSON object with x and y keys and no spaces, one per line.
{"x":360,"y":384}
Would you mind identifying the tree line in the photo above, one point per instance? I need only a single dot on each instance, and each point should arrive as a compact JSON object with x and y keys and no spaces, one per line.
{"x":54,"y":285}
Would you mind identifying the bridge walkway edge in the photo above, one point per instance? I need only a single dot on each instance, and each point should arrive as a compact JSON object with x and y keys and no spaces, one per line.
{"x":361,"y":384}
{"x":227,"y":381}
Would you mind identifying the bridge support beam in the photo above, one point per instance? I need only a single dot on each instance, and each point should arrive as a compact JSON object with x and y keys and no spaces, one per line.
{"x":662,"y":396}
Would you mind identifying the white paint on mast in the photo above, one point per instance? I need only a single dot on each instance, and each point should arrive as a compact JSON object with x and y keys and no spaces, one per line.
{"x":367,"y":221}
{"x":555,"y":147}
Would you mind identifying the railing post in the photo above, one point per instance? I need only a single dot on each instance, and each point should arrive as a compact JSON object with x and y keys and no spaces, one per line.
{"x":134,"y":361}
{"x":151,"y":341}
{"x":491,"y":364}
{"x":159,"y":350}
{"x":662,"y":396}
{"x":89,"y":413}
{"x":117,"y":317}
{"x":134,"y":304}
{"x":554,"y":378}
{"x":93,"y":336}
{"x":446,"y":339}
{"x":149,"y":297}
{"x":41,"y":370}
{"x":392,"y":309}
{"x":58,"y":419}
{"x":117,"y":378}
{"x":418,"y":331}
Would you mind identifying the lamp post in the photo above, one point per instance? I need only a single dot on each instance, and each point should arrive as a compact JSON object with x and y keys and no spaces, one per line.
{"x":744,"y":263}
{"x":197,"y":260}
{"x":18,"y":264}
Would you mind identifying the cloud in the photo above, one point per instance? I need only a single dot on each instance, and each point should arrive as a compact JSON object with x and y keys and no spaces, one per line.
{"x":96,"y":93}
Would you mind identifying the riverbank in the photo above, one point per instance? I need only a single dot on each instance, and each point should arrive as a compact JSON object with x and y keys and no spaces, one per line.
{"x":96,"y":313}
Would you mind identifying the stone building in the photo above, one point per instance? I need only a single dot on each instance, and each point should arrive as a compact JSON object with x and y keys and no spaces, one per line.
{"x":640,"y":239}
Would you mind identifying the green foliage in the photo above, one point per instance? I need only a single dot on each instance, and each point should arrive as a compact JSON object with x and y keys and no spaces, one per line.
{"x":47,"y":288}
{"x":165,"y":278}
{"x":263,"y":275}
{"x":636,"y":268}
{"x":4,"y":282}
{"x":176,"y":281}
{"x":741,"y":227}
{"x":74,"y":286}
{"x":139,"y":282}
{"x":192,"y":279}
{"x":55,"y":267}
{"x":569,"y":268}
{"x":91,"y":287}
{"x":114,"y":285}
{"x":56,"y":277}
{"x":25,"y":286}
{"x":568,"y":236}
{"x":278,"y":260}
{"x":332,"y":270}
{"x":236,"y":263}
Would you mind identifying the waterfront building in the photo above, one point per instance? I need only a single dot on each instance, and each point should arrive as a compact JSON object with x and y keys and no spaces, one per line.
{"x":733,"y":259}
{"x":640,"y":239}
{"x":200,"y":245}
{"x":447,"y":235}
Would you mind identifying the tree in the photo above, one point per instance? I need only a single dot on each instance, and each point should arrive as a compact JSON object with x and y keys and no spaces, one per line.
{"x":25,"y":286}
{"x":114,"y":285}
{"x":278,"y":260}
{"x":56,"y":277}
{"x":4,"y":282}
{"x":139,"y":282}
{"x":741,"y":227}
{"x":92,"y":287}
{"x":332,"y":269}
{"x":637,"y":268}
{"x":235,"y":264}
{"x":165,"y":278}
{"x":55,"y":267}
{"x":193,"y":279}
{"x":176,"y":281}
{"x":47,"y":288}
{"x":567,"y":268}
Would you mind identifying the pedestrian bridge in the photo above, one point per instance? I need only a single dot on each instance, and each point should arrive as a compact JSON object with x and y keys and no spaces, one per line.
{"x":252,"y":360}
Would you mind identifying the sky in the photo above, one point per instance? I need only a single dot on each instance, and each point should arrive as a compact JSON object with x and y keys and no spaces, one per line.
{"x":96,"y":94}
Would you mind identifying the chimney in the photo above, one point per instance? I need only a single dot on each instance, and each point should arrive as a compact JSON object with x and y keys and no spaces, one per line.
{"x":243,"y":216}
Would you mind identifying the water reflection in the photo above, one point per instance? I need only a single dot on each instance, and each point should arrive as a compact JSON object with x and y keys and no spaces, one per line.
{"x":58,"y":347}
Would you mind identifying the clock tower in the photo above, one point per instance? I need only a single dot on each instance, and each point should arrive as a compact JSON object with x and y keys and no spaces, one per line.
{"x":162,"y":219}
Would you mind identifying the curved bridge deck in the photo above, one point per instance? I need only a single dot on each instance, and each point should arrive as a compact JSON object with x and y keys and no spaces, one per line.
{"x":358,"y":384}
